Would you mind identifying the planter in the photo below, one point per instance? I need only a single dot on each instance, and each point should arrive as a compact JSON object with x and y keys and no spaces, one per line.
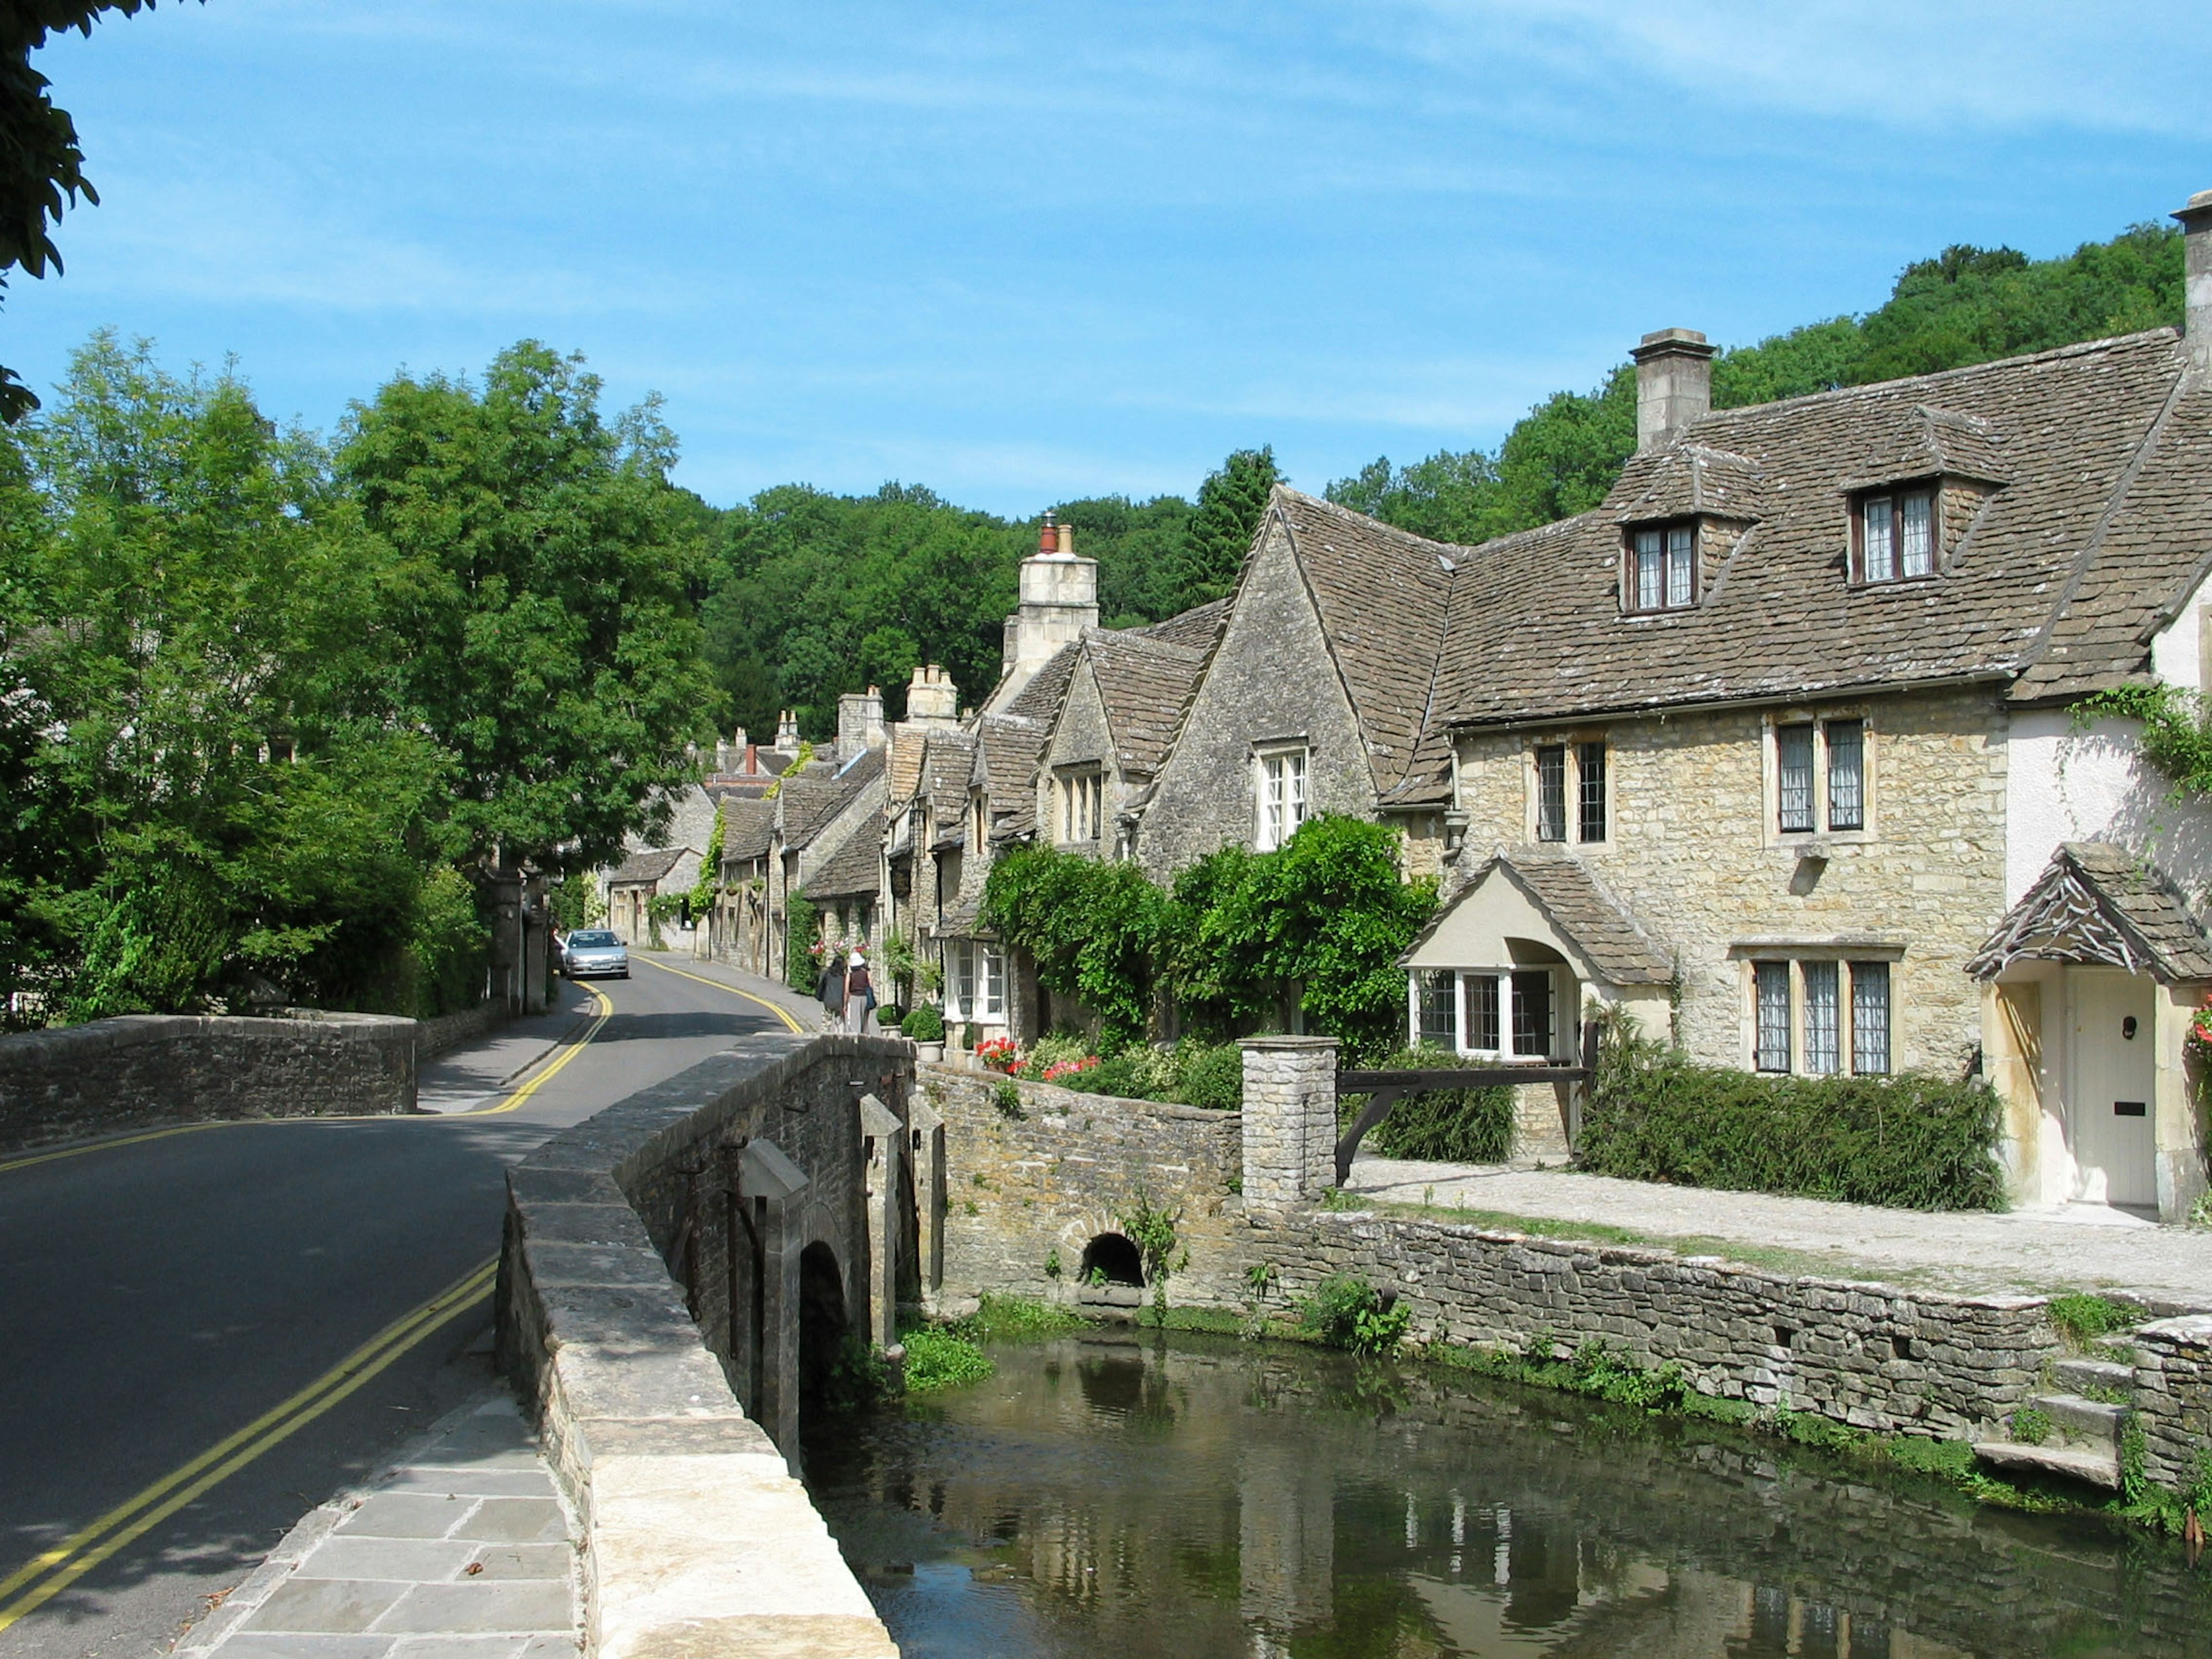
{"x":930,"y":1053}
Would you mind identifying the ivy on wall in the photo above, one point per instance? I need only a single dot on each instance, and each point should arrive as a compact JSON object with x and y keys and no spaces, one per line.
{"x":2177,"y":730}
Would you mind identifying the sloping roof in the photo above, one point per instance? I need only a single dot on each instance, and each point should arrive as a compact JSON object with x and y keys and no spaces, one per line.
{"x":2099,"y":902}
{"x":2097,"y":517}
{"x":945,"y":773}
{"x":1589,"y":919}
{"x":748,"y":826}
{"x":1145,"y":684}
{"x":1197,"y":628}
{"x":811,"y":802}
{"x":1382,"y":594}
{"x":649,"y":865}
{"x":854,"y":869}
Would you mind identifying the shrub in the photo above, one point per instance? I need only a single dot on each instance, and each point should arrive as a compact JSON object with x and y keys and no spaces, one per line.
{"x":1347,"y":1312}
{"x":1138,"y":1072}
{"x":448,"y":947}
{"x":1451,"y":1126}
{"x":939,"y":1359}
{"x":1007,"y":1097}
{"x":1054,"y":1050}
{"x":1210,"y":1075}
{"x":2082,"y":1319}
{"x":1910,"y":1142}
{"x":924,"y":1024}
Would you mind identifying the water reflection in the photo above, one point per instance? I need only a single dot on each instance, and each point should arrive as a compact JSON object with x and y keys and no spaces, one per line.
{"x":1112,"y":1494}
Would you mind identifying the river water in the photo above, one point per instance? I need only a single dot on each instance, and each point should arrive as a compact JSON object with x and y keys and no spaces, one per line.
{"x":1177,"y":1497}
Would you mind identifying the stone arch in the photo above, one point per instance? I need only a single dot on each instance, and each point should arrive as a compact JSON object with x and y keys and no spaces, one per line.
{"x":1115,"y":1255}
{"x":824,"y":1321}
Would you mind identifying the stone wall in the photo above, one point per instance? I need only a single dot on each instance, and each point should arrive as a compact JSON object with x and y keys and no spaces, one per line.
{"x":1694,"y":854}
{"x":617,"y":1286}
{"x":2173,"y":1398}
{"x":447,"y":1032}
{"x":79,"y":1081}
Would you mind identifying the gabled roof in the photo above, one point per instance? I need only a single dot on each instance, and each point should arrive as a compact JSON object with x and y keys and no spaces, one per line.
{"x":2099,"y":508}
{"x":1145,"y":684}
{"x":2098,"y":903}
{"x":748,"y":826}
{"x":944,"y":773}
{"x":1589,"y":921}
{"x":812,"y":802}
{"x":854,"y":869}
{"x":650,"y":865}
{"x":1197,"y":628}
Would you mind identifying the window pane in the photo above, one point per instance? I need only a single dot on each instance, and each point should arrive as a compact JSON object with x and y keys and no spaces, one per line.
{"x":1917,"y":520}
{"x":1482,"y":1012}
{"x":994,"y":984}
{"x":1532,"y":1012}
{"x":1771,"y":1049}
{"x":1294,"y":768}
{"x":963,"y":979}
{"x":1589,"y":792}
{"x":1437,"y":1024}
{"x":1793,"y":747}
{"x":1270,"y":802}
{"x":1679,"y":545}
{"x":1870,"y":1017}
{"x":1552,"y":791}
{"x":1846,"y":775}
{"x":1648,"y":576}
{"x":1822,"y":1019}
{"x":1881,"y":554}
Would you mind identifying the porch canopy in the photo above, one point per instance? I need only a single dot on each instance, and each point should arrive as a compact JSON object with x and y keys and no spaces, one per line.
{"x":1501,"y":969}
{"x":2098,"y":904}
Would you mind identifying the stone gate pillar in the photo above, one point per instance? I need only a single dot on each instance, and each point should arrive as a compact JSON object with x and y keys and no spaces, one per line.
{"x":1289,"y":1119}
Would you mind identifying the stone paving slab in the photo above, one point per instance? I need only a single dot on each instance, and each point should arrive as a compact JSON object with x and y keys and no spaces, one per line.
{"x":2080,"y":1248}
{"x":463,"y":1550}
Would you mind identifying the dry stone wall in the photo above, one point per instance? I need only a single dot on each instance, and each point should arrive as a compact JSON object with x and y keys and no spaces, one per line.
{"x":92,"y":1079}
{"x":2173,"y":1398}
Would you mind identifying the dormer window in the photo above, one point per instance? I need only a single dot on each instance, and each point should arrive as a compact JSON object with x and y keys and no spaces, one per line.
{"x":1896,"y":535}
{"x":1661,"y":570}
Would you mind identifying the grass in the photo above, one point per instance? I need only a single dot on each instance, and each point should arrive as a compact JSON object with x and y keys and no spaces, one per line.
{"x":2082,"y":1320}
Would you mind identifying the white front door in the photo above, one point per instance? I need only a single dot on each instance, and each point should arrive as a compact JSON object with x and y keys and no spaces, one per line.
{"x":2108,"y":1109}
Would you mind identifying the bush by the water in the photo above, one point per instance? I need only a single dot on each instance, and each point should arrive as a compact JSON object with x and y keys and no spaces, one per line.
{"x":1910,"y":1142}
{"x":1451,"y":1126}
{"x":940,"y":1359}
{"x":1345,"y":1311}
{"x":924,"y":1024}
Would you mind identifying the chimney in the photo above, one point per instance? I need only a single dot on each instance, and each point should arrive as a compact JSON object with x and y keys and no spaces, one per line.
{"x":860,"y":722}
{"x":752,"y":758}
{"x":786,"y":732}
{"x":1674,"y":384}
{"x":1060,"y":600}
{"x":2196,"y":279}
{"x":1067,"y":548}
{"x":1048,"y":536}
{"x":931,"y":699}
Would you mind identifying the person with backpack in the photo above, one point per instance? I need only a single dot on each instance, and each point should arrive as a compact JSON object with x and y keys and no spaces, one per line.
{"x":860,"y":993}
{"x":831,"y":992}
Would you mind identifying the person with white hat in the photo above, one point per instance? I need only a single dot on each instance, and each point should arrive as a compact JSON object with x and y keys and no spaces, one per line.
{"x":859,"y":993}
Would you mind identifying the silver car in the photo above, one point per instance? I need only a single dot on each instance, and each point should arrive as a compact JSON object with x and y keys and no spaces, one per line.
{"x":594,"y":953}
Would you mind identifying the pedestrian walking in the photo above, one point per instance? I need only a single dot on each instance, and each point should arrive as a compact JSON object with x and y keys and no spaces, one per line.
{"x":860,"y":993}
{"x":830,"y":991}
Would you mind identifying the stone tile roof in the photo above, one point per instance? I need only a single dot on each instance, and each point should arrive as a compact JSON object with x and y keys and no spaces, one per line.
{"x":1197,"y":628}
{"x":748,"y":826}
{"x":812,"y":801}
{"x":2098,"y":903}
{"x":1382,"y":594}
{"x":2097,"y":480}
{"x":1146,"y":684}
{"x":1589,"y":918}
{"x":650,"y":865}
{"x":945,"y":773}
{"x":854,"y":870}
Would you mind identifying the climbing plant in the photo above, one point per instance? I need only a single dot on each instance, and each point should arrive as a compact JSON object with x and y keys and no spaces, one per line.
{"x":710,"y":869}
{"x":1095,"y":930}
{"x":2177,"y":730}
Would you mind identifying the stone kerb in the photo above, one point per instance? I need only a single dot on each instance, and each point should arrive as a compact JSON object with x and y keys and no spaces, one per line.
{"x":78,"y":1081}
{"x":697,"y":1538}
{"x":1290,"y":1120}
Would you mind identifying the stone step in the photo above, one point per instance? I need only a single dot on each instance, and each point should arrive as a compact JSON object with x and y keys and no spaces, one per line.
{"x":2080,"y":1376}
{"x":2089,"y":1424}
{"x":2095,"y":1468}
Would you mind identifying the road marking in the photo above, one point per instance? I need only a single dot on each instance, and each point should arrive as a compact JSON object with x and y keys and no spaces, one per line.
{"x":569,"y":1051}
{"x":48,"y":1574}
{"x":779,"y":1013}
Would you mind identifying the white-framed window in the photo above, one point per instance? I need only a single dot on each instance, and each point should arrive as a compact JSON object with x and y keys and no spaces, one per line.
{"x":1435,"y":1018}
{"x":1571,"y":791}
{"x":1821,"y":775}
{"x":974,"y":982}
{"x":1511,"y":1013}
{"x":1281,"y":780}
{"x":1820,"y":1016}
{"x":979,"y":820}
{"x":1081,"y":801}
{"x":1894,"y":535}
{"x":1661,"y":569}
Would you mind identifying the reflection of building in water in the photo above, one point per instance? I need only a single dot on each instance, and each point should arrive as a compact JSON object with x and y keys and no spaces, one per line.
{"x":1286,"y":1539}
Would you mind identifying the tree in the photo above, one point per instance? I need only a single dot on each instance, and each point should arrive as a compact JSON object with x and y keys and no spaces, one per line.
{"x":41,"y":164}
{"x":1229,"y":505}
{"x":533,"y":568}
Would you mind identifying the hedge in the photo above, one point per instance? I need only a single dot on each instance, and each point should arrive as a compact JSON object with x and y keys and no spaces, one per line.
{"x":1908,"y":1142}
{"x":1447,"y":1126}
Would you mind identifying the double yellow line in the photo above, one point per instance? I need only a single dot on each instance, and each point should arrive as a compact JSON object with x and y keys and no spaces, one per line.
{"x":46,"y":1575}
{"x":781,"y":1013}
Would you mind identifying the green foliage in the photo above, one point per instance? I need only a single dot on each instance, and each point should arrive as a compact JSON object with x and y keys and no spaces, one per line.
{"x":1095,"y":930}
{"x":1453,"y":1125}
{"x":2083,"y":1320}
{"x":1007,"y":1097}
{"x":1910,"y":1142}
{"x":1014,"y":1319}
{"x":937,"y":1359}
{"x":800,"y":970}
{"x":859,"y":1378}
{"x":710,"y":869}
{"x":576,"y":900}
{"x":2030,"y":1426}
{"x":1152,"y":1231}
{"x":1052,"y":1269}
{"x":1965,"y":306}
{"x":1052,"y":1051}
{"x":1230,"y":503}
{"x":1209,"y":1075}
{"x":924,"y":1024}
{"x":448,"y":950}
{"x":1345,"y":1311}
{"x":2177,"y":731}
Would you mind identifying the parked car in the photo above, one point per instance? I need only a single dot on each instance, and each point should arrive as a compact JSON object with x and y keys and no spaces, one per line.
{"x":594,"y":953}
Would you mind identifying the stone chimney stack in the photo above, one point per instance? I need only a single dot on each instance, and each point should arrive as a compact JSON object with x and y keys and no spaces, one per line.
{"x":860,"y":722}
{"x":2196,"y":279}
{"x":931,"y":699}
{"x":1674,"y":384}
{"x":1060,"y":600}
{"x":786,"y":732}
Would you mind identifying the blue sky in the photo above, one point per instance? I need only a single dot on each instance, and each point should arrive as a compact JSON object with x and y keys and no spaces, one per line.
{"x":1023,"y":252}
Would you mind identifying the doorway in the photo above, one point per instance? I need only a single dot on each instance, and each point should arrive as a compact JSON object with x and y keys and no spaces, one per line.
{"x":2110,"y":1121}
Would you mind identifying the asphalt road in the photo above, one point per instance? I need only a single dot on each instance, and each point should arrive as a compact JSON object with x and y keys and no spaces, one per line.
{"x":157,"y":1298}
